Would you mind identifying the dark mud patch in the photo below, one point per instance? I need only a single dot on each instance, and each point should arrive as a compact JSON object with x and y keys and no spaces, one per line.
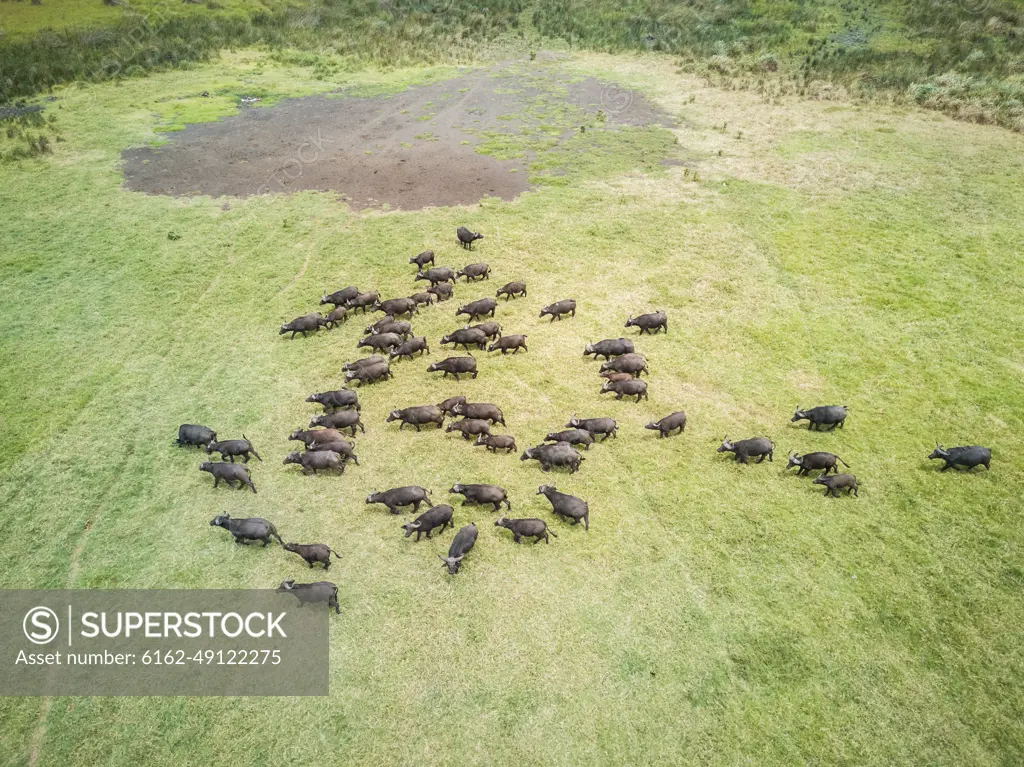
{"x":407,"y":151}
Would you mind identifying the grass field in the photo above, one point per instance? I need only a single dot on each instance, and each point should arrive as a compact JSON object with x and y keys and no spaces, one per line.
{"x":714,"y":613}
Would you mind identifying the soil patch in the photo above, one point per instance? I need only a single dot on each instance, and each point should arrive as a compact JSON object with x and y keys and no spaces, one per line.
{"x":410,"y":150}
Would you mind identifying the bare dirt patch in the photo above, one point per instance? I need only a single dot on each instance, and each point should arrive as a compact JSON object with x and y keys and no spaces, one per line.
{"x":410,"y":150}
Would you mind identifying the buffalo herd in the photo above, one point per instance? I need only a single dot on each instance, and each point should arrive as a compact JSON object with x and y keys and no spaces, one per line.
{"x":328,"y":448}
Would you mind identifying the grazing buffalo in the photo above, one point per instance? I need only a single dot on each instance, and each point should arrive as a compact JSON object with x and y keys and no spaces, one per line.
{"x":496,"y":442}
{"x":424,"y":258}
{"x":469,"y":427}
{"x":568,"y":506}
{"x":397,"y":497}
{"x":511,"y":290}
{"x":557,"y":309}
{"x":819,"y":417}
{"x":467,"y":238}
{"x":635,"y":364}
{"x":466,"y":337}
{"x":526,"y":528}
{"x":340,"y":420}
{"x":455,"y":366}
{"x":436,"y":275}
{"x":317,"y":460}
{"x":304,"y":324}
{"x":339,"y":399}
{"x":596,"y":426}
{"x":838,"y":482}
{"x":313,"y":553}
{"x":745,"y":449}
{"x":340,"y":297}
{"x":311,"y":593}
{"x":484,"y":410}
{"x":250,"y":529}
{"x":557,"y":454}
{"x":461,"y":546}
{"x":967,"y":457}
{"x":815,"y":462}
{"x":229,"y":448}
{"x":506,"y":343}
{"x":483,"y":494}
{"x":610,"y":347}
{"x":633,"y":387}
{"x":479,"y":308}
{"x":649,"y":323}
{"x":417,"y":416}
{"x":428,"y":521}
{"x":572,"y":437}
{"x":669,"y":424}
{"x":195,"y":435}
{"x":363,"y":301}
{"x":396,"y":307}
{"x":442,"y":291}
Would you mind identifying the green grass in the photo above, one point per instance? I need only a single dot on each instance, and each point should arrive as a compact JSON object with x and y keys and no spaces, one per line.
{"x":714,"y":614}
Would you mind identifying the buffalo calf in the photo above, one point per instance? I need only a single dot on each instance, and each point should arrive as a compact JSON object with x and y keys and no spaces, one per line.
{"x":838,"y":482}
{"x":313,"y":553}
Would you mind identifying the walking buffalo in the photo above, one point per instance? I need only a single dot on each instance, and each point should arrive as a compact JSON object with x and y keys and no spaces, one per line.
{"x":557,"y":454}
{"x":455,"y":366}
{"x":757,"y":447}
{"x":649,"y":323}
{"x":428,"y":521}
{"x":506,"y":343}
{"x":815,"y":462}
{"x":511,"y":290}
{"x":305,"y":324}
{"x":817,"y":417}
{"x":313,"y":553}
{"x":565,"y":505}
{"x":311,"y":593}
{"x":249,"y":529}
{"x":417,"y":416}
{"x":669,"y":424}
{"x":397,"y":497}
{"x":461,"y":546}
{"x":526,"y":528}
{"x":195,"y":435}
{"x":496,"y":442}
{"x":479,"y":308}
{"x":610,"y":347}
{"x":229,"y":448}
{"x":557,"y":309}
{"x":967,"y":457}
{"x":838,"y":482}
